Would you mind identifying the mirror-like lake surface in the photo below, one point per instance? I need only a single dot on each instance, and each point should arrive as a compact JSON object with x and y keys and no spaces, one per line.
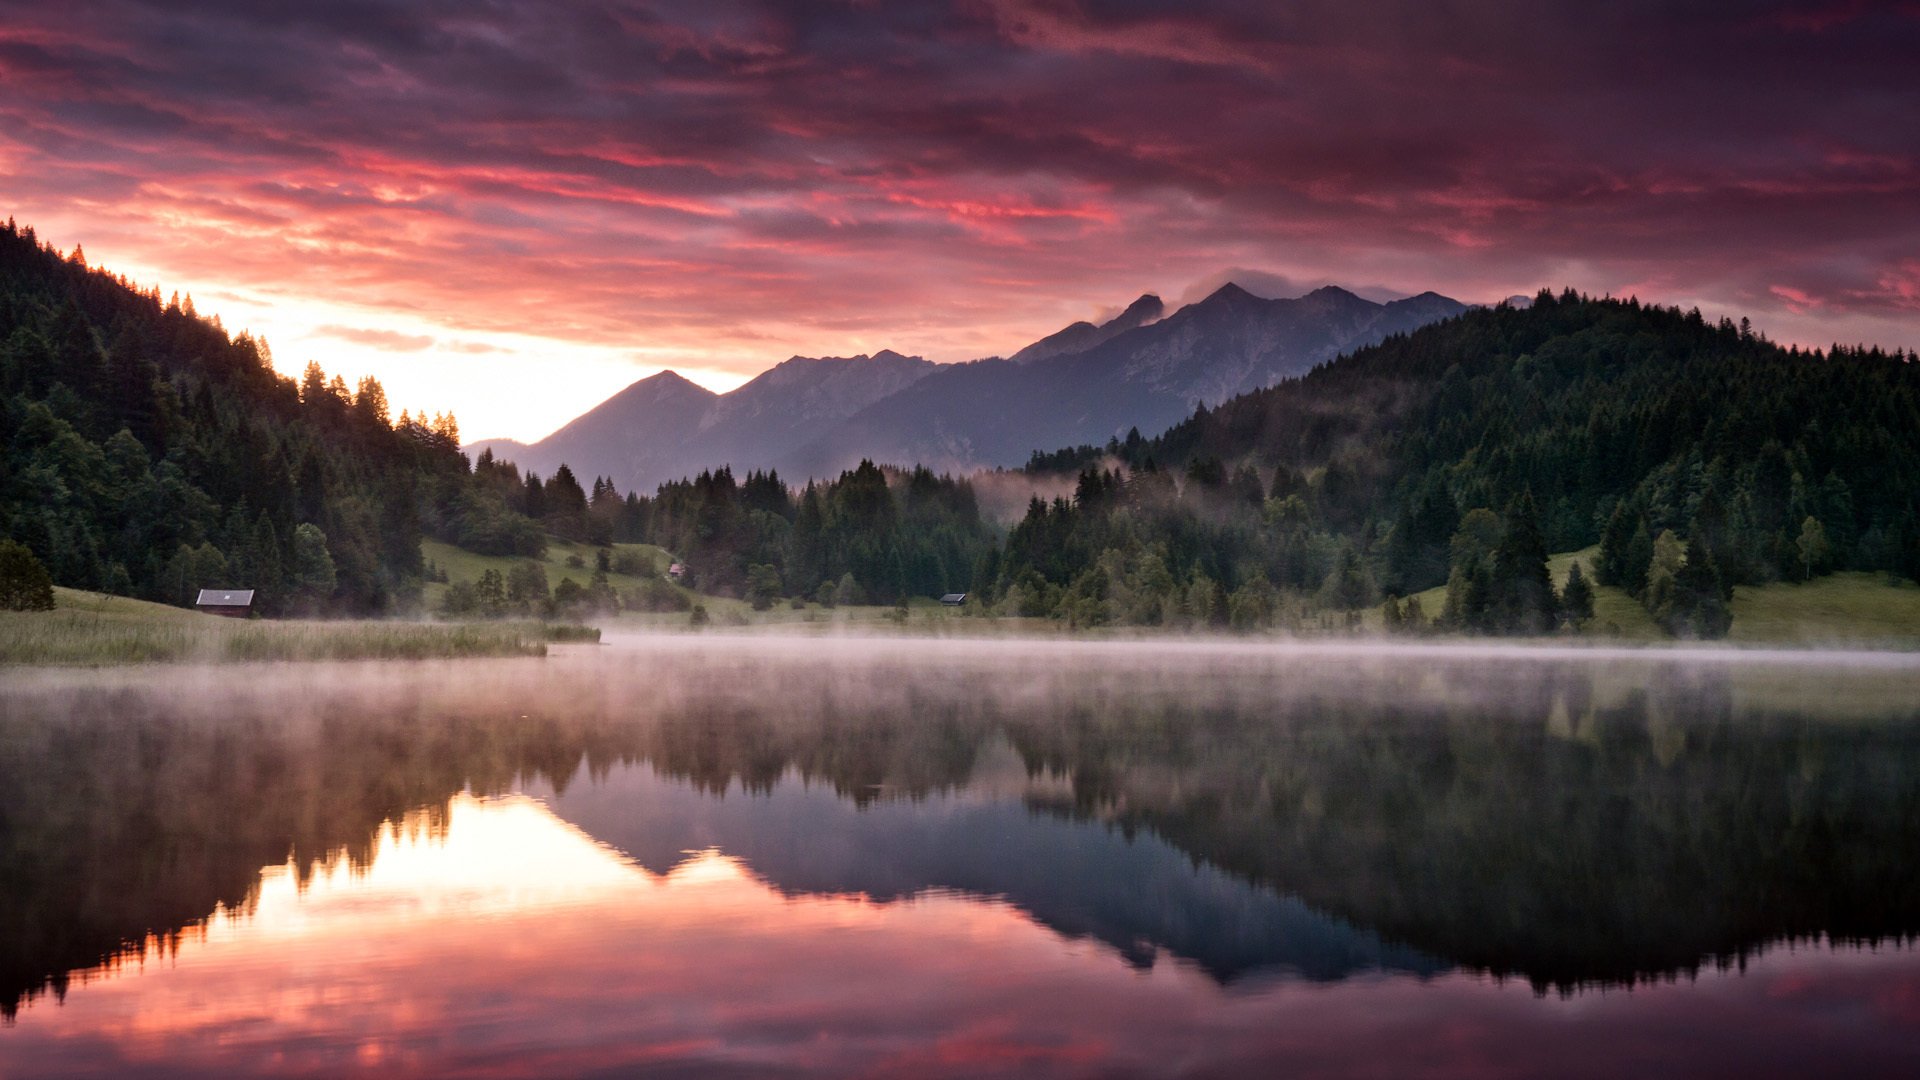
{"x":760,"y":856}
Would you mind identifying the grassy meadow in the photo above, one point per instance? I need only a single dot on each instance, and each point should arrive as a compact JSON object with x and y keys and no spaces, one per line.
{"x":1615,"y":614}
{"x":722,"y":611}
{"x":92,"y":629}
{"x":1837,"y":610}
{"x":460,"y":564}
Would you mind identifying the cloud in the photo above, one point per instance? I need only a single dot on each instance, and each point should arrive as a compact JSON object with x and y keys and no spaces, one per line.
{"x":956,"y":179}
{"x":388,"y":340}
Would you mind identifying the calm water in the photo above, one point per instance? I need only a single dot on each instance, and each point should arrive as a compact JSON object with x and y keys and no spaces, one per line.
{"x":767,"y":857}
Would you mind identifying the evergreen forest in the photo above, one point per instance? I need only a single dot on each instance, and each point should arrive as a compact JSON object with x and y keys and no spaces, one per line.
{"x":150,"y":453}
{"x":1697,"y":455}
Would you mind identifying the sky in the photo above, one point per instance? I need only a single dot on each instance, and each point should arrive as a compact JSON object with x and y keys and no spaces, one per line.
{"x":512,"y":209}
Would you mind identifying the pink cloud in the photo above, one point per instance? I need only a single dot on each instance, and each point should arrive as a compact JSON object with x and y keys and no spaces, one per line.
{"x":956,"y":181}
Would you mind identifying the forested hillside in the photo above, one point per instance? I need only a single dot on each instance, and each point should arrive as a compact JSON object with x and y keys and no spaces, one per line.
{"x":871,"y":535}
{"x":150,"y":453}
{"x":1698,"y":455}
{"x":147,"y":452}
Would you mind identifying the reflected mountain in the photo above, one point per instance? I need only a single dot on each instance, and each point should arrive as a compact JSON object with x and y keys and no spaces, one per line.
{"x":1569,"y":822}
{"x":1138,"y":893}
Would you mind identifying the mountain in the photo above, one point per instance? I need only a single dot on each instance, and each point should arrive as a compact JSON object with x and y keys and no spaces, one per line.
{"x":1556,"y":426}
{"x":997,"y":412}
{"x":789,"y":403}
{"x":1136,"y":892}
{"x":1084,"y":383}
{"x":1082,"y":336}
{"x":665,"y":427}
{"x":631,"y":433}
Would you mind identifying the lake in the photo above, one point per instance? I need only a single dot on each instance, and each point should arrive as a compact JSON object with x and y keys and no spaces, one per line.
{"x":775,"y":856}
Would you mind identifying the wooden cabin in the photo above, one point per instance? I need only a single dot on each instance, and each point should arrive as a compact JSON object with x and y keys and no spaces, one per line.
{"x":233,"y":603}
{"x":954,"y":599}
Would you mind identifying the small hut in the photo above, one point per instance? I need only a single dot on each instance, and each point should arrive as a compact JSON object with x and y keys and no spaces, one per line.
{"x":954,"y":599}
{"x":233,"y":603}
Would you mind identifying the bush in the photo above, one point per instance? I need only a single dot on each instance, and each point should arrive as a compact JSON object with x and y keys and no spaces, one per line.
{"x":459,"y":600}
{"x":656,"y":594}
{"x":849,"y":592}
{"x":24,"y":584}
{"x":763,"y":586}
{"x":634,"y":564}
{"x":527,"y":587}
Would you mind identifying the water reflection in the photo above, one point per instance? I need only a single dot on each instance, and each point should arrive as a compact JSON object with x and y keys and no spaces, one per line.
{"x":1139,"y":895}
{"x":1066,"y":856}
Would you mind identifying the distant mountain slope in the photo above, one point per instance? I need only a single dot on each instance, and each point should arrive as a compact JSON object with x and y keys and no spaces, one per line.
{"x":786,"y":405}
{"x":635,"y":432}
{"x":1083,"y":383}
{"x":1082,"y":336}
{"x":1615,"y":419}
{"x":665,"y":427}
{"x":997,"y":412}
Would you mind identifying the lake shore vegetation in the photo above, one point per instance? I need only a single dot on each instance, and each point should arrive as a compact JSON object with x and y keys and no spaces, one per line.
{"x":97,"y":630}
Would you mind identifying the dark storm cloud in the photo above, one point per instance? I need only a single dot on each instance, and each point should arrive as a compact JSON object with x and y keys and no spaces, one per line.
{"x":707,"y":169}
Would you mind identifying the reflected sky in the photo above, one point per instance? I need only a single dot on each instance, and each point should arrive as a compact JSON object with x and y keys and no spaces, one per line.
{"x":1170,"y":875}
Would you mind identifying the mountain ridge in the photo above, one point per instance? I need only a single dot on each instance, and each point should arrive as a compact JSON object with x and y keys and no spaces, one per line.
{"x":1083,"y":335}
{"x":816,"y":416}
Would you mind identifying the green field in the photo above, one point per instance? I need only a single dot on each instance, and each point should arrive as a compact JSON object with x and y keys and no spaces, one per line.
{"x":1840,"y":609}
{"x":462,"y":565}
{"x":1836,"y":610}
{"x":924,"y":615}
{"x":724,"y":612}
{"x":93,"y":629}
{"x":1615,"y":614}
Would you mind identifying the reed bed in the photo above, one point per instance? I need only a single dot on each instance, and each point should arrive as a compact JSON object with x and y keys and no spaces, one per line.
{"x":96,"y":639}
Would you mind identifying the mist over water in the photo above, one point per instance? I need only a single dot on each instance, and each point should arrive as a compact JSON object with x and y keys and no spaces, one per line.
{"x":759,"y":854}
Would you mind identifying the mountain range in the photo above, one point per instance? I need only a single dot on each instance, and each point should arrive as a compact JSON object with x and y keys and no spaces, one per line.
{"x":1086,"y":383}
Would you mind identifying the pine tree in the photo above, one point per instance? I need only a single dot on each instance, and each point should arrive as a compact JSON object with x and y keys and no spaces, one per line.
{"x":314,"y":577}
{"x":1694,"y":607}
{"x":1347,"y":588}
{"x":1639,"y":559}
{"x":1615,"y":543}
{"x":1576,"y":599}
{"x":1523,"y":600}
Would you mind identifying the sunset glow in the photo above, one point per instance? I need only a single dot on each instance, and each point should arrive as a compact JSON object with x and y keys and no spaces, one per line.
{"x":505,"y":935}
{"x":513,"y":212}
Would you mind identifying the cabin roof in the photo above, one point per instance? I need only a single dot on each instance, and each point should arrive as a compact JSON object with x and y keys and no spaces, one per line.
{"x":954,"y":598}
{"x":225,"y":598}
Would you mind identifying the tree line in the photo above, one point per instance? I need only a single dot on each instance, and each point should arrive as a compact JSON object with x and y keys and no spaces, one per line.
{"x":150,"y":453}
{"x":1698,"y":455}
{"x":870,"y":535}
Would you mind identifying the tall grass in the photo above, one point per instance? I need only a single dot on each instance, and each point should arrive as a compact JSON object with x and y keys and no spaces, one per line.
{"x":86,"y":638}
